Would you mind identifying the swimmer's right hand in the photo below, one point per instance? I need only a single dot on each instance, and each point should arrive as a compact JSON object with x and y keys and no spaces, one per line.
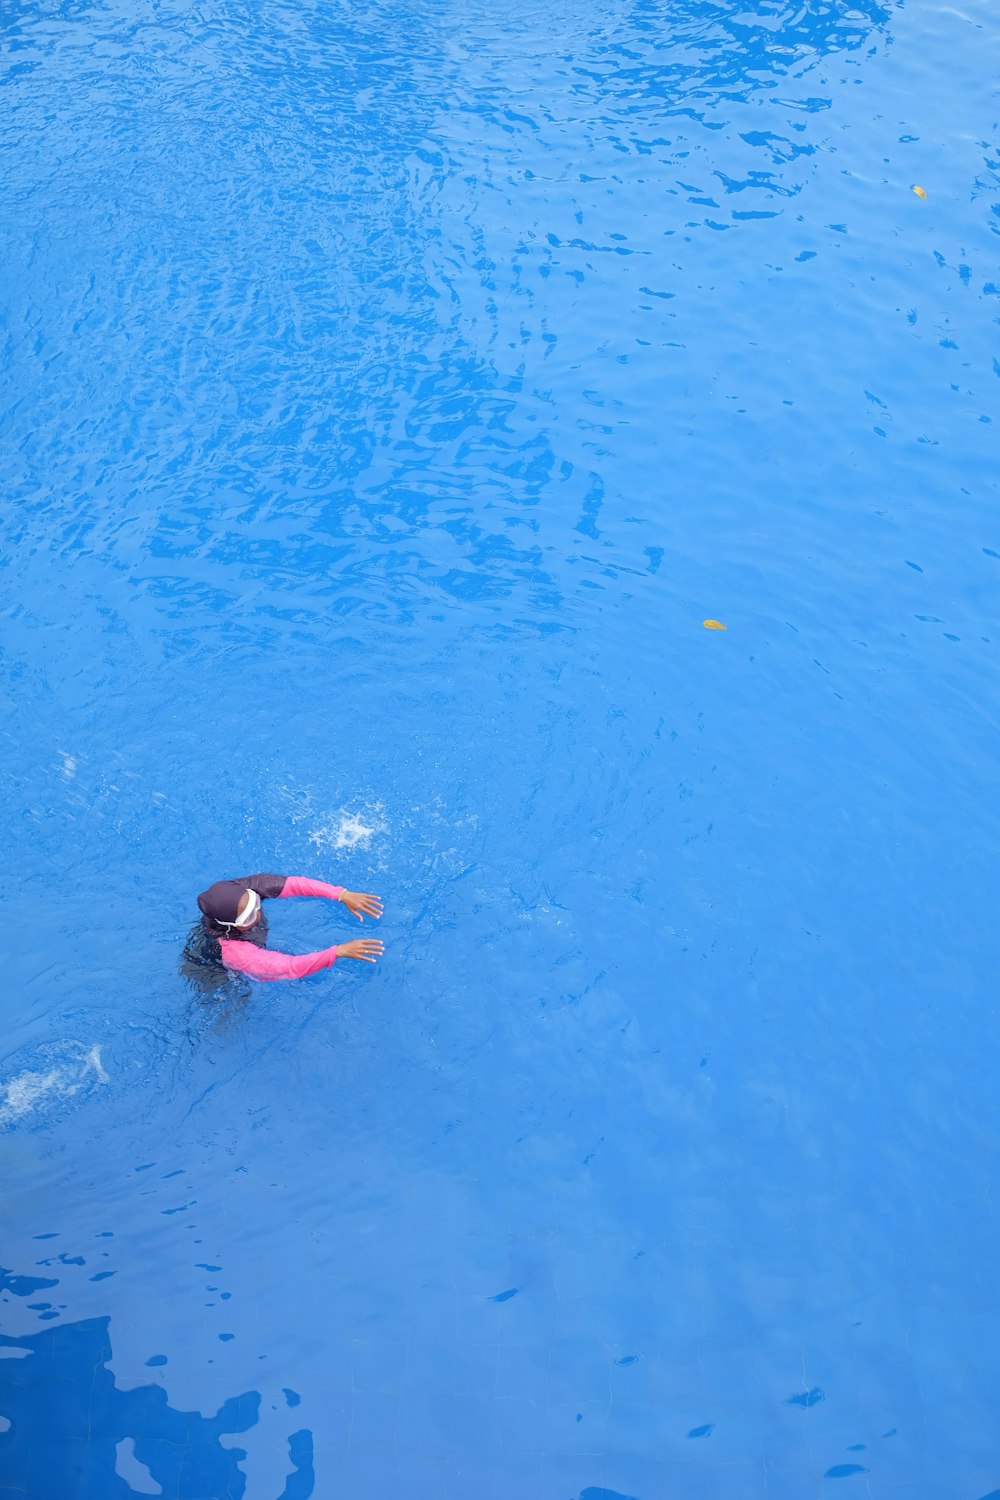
{"x":367,"y":948}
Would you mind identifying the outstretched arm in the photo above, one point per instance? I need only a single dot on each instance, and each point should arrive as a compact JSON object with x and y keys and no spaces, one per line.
{"x":357,"y":902}
{"x":265,"y":963}
{"x":302,"y":885}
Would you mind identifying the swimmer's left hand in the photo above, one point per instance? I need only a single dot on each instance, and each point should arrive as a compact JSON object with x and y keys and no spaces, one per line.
{"x":357,"y":902}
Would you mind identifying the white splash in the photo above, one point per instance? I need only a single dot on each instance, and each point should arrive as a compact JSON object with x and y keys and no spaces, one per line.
{"x":68,"y":766}
{"x":94,"y":1059}
{"x":348,"y":830}
{"x":28,"y":1091}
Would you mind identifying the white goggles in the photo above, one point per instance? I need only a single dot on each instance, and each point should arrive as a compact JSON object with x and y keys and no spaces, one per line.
{"x":250,"y":914}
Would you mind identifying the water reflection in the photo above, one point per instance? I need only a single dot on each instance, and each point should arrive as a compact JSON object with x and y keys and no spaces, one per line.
{"x":701,"y":54}
{"x":70,"y":1431}
{"x":352,"y":389}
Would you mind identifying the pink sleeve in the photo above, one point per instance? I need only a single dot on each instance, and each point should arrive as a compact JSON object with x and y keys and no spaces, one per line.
{"x":264,"y":963}
{"x":301,"y":885}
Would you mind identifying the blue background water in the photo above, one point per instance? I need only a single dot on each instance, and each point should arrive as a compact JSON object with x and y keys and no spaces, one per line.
{"x":390,"y":394}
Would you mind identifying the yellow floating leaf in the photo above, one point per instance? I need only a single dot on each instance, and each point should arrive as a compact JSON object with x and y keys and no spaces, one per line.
{"x":920,"y":192}
{"x":713,"y":625}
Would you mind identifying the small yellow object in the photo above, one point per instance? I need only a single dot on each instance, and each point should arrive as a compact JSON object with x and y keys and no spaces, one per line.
{"x":713,"y":625}
{"x":920,"y":192}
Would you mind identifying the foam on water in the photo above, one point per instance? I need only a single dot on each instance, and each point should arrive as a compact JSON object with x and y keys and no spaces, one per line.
{"x":346,"y":830}
{"x":73,"y":1067}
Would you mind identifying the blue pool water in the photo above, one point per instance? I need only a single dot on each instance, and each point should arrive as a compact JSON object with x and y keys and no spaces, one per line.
{"x":390,"y":394}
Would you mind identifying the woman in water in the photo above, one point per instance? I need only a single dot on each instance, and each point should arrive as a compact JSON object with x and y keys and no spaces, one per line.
{"x":233,"y":919}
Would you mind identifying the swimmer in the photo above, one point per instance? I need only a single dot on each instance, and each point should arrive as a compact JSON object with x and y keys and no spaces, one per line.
{"x":233,"y":916}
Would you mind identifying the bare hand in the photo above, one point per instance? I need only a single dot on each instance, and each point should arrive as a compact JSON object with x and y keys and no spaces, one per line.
{"x":357,"y":902}
{"x":367,"y":948}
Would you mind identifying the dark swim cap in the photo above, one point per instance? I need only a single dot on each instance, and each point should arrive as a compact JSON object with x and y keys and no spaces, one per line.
{"x":221,"y":902}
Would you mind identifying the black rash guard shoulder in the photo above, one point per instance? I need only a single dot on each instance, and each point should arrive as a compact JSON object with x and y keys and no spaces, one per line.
{"x":267,"y":886}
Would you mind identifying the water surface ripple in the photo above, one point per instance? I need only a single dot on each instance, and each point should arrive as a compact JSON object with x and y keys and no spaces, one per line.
{"x":390,"y":393}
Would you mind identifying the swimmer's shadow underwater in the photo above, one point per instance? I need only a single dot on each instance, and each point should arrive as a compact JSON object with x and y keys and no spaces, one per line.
{"x":202,"y":967}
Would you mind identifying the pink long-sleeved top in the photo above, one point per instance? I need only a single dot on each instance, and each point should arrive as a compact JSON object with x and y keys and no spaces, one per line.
{"x":265,"y":963}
